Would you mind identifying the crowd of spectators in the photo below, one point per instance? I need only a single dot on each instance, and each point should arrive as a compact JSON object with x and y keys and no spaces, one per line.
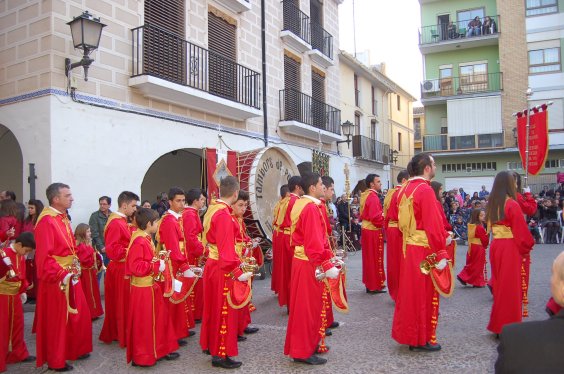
{"x":475,"y":27}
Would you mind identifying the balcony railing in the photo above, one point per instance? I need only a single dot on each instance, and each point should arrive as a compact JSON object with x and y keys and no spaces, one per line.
{"x":370,"y":149}
{"x":163,"y":54}
{"x":296,"y":21}
{"x":457,"y":31}
{"x":443,"y":142}
{"x":321,"y":40}
{"x":463,"y":85}
{"x":296,"y":106}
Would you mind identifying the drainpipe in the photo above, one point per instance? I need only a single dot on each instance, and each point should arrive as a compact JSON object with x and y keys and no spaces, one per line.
{"x":263,"y":42}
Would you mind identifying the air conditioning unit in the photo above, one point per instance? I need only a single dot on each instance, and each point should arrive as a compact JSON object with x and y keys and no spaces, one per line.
{"x":430,"y":86}
{"x":468,"y":170}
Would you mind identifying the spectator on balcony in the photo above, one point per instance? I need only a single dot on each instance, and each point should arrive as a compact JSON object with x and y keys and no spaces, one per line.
{"x":489,"y":26}
{"x":452,"y":30}
{"x":474,"y":27}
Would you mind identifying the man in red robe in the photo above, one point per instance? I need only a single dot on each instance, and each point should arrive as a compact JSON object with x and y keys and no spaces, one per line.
{"x":64,"y":325}
{"x":277,"y":219}
{"x":117,"y":235}
{"x":393,"y":235}
{"x":284,"y":240}
{"x":218,"y":335}
{"x":196,"y":200}
{"x":309,"y":237}
{"x":171,"y":238}
{"x":12,"y":294}
{"x":417,"y":302}
{"x":373,"y":273}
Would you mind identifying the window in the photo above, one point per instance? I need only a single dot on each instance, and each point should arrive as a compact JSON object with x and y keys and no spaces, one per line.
{"x":356,"y":124}
{"x":465,"y":16}
{"x":399,"y":140}
{"x":318,"y":102}
{"x":514,"y":165}
{"x":373,"y":129}
{"x":293,"y":101}
{"x":552,"y":163}
{"x":445,"y":81}
{"x":292,"y":77}
{"x":473,"y":77}
{"x":417,"y":128}
{"x":398,"y":98}
{"x":222,"y":41}
{"x":538,"y":7}
{"x":356,"y":91}
{"x":374,"y":102}
{"x":544,"y":60}
{"x":470,"y":167}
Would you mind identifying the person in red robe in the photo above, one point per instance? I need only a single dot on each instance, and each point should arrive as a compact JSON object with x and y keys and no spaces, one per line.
{"x":451,"y":247}
{"x":478,"y":240}
{"x":8,"y":220}
{"x":311,"y":255}
{"x":417,"y":303}
{"x":284,"y":240}
{"x":12,"y":295}
{"x":89,"y":269}
{"x":393,"y":235}
{"x":373,"y":273}
{"x":192,"y":224}
{"x":277,"y":218}
{"x":34,"y":208}
{"x":117,"y":235}
{"x":150,"y":336}
{"x":218,"y":335}
{"x":511,"y":242}
{"x":64,"y":325}
{"x":171,"y":238}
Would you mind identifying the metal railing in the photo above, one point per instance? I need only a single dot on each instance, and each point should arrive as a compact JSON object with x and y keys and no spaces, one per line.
{"x":321,"y":39}
{"x":296,"y":21}
{"x":443,"y":142}
{"x":458,"y":30}
{"x":296,"y":106}
{"x":463,"y":85}
{"x":165,"y":55}
{"x":370,"y":149}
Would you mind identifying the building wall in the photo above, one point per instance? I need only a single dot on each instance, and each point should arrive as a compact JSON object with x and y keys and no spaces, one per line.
{"x":435,"y":60}
{"x":430,"y":11}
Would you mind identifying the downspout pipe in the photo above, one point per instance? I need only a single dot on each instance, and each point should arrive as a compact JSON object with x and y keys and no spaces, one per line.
{"x":264,"y":93}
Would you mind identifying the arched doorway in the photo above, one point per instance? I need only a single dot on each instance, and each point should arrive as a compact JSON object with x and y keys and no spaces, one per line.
{"x":179,"y":168}
{"x":11,"y":164}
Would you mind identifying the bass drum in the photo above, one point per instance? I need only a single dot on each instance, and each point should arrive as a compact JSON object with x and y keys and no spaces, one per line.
{"x":262,"y":172}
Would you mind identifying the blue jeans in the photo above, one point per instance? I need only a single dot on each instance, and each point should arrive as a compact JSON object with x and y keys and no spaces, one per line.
{"x":473,"y":31}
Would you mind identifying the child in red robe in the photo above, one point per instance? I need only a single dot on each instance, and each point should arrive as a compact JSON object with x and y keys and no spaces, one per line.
{"x":89,"y":269}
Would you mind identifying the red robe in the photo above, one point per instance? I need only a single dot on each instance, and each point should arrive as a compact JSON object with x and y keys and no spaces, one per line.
{"x":330,"y":317}
{"x":6,"y":223}
{"x":506,"y":257}
{"x":278,"y":215}
{"x":287,"y":252}
{"x":310,"y":240}
{"x":193,"y":237}
{"x":221,"y":270}
{"x":87,"y":256}
{"x":61,"y":335}
{"x":171,"y":235}
{"x":473,"y":272}
{"x":393,"y":244}
{"x":149,"y":334}
{"x":373,"y":273}
{"x":117,"y":236}
{"x":529,"y":206}
{"x":242,"y":241}
{"x":417,"y":303}
{"x":30,"y":268}
{"x":451,"y":248}
{"x":12,"y":344}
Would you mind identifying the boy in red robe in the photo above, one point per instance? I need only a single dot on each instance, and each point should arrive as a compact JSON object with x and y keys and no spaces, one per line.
{"x":12,"y":294}
{"x":277,"y":219}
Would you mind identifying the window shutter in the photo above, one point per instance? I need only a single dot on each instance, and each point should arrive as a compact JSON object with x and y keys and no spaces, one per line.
{"x":291,"y":73}
{"x":222,"y":37}
{"x":293,"y":103}
{"x":318,"y":103}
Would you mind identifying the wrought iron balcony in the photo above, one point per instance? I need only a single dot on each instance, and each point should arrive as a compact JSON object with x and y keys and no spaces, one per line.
{"x":463,"y":85}
{"x":298,"y":107}
{"x":296,"y":21}
{"x":370,"y":149}
{"x":443,"y":142}
{"x":458,"y":32}
{"x":321,"y":40}
{"x":162,"y":54}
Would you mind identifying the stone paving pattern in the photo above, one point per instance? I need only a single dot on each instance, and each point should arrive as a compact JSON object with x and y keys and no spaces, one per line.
{"x":361,"y":345}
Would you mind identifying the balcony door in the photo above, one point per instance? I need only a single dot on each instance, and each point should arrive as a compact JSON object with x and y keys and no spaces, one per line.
{"x":316,"y":17}
{"x":319,"y":117}
{"x":445,"y":80}
{"x":474,"y":77}
{"x":222,"y":41}
{"x":294,"y":106}
{"x":442,"y":23}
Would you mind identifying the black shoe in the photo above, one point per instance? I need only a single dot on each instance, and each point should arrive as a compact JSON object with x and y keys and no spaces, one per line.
{"x":251,"y":330}
{"x":461,"y":281}
{"x":182,"y":342}
{"x":61,"y":370}
{"x":490,"y":288}
{"x":29,"y":358}
{"x":383,"y":290}
{"x":191,"y":333}
{"x":370,"y":292}
{"x":172,"y":356}
{"x":241,"y":338}
{"x":478,"y":286}
{"x":334,"y":325}
{"x":84,"y":356}
{"x":311,"y":360}
{"x":197,"y":321}
{"x":141,"y":366}
{"x":328,"y":332}
{"x":226,"y":363}
{"x":30,"y":301}
{"x":206,"y":351}
{"x":425,"y":348}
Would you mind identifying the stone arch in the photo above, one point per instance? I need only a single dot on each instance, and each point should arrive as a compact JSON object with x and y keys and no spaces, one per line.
{"x":12,"y":167}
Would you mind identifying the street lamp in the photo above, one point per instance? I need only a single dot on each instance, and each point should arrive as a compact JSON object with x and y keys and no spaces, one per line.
{"x":86,"y":32}
{"x":346,"y":128}
{"x":394,"y":156}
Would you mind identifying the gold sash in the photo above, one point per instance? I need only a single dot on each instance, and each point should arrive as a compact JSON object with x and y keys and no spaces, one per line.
{"x":367,"y":225}
{"x":392,"y":223}
{"x":502,"y":232}
{"x":239,"y":247}
{"x":418,"y":237}
{"x":146,"y":281}
{"x":213,"y":253}
{"x":299,"y":253}
{"x":10,"y":288}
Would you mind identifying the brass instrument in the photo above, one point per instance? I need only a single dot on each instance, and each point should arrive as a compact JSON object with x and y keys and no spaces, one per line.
{"x":75,"y":270}
{"x":162,"y":255}
{"x":428,"y":264}
{"x":249,"y":265}
{"x":199,"y":271}
{"x":337,"y":262}
{"x":11,"y":274}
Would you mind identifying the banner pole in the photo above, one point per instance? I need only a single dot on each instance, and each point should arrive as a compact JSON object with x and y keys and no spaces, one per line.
{"x":529,"y":93}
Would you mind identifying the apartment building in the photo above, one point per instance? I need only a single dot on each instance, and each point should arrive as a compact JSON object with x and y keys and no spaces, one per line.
{"x":381,"y":114}
{"x":169,"y":80}
{"x":475,"y":78}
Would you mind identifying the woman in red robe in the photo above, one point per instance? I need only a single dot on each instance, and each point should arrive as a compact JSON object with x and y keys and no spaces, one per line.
{"x":451,"y":247}
{"x":34,"y":208}
{"x":512,"y":241}
{"x":478,"y":240}
{"x":89,"y":270}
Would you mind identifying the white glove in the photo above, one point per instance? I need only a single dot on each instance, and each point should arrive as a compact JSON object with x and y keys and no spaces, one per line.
{"x":442,"y":264}
{"x":338,"y":260}
{"x":23,"y":297}
{"x":161,"y":266}
{"x":66,"y":279}
{"x":527,"y":190}
{"x":245,"y":276}
{"x":7,"y":261}
{"x":189,"y":274}
{"x":448,"y":240}
{"x":74,"y":281}
{"x":332,"y":273}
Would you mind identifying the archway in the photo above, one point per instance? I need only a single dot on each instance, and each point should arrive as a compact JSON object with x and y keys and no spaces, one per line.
{"x":11,"y":164}
{"x":179,"y":168}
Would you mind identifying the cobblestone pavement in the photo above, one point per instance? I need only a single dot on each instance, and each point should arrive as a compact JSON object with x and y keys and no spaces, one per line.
{"x":361,"y":345}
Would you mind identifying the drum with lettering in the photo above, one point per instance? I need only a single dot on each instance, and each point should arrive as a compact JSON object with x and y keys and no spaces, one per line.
{"x":262,"y":172}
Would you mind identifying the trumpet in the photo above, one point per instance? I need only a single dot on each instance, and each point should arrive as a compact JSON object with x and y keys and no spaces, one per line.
{"x":11,"y":274}
{"x":249,"y":265}
{"x":163,"y":255}
{"x":75,"y":270}
{"x":428,"y":264}
{"x":337,"y":262}
{"x":199,"y":271}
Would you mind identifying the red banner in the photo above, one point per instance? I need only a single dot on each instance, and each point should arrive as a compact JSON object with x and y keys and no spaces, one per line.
{"x":538,"y":140}
{"x":216,"y":170}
